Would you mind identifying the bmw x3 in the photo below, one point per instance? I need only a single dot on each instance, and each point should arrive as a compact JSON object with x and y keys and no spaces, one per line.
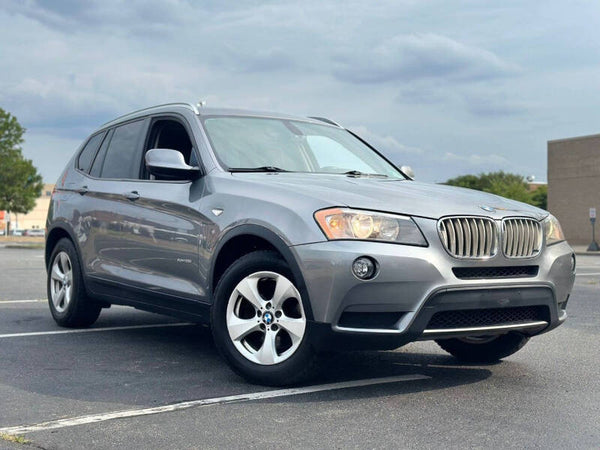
{"x":292,"y":236}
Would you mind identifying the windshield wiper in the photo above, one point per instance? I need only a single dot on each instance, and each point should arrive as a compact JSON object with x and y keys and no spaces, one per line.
{"x":358,"y":173}
{"x":257,"y":169}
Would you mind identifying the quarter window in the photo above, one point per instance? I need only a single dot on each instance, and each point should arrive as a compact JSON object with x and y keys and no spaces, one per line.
{"x":89,"y":151}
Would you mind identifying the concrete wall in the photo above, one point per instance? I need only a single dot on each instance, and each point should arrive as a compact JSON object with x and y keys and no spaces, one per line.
{"x":574,"y":185}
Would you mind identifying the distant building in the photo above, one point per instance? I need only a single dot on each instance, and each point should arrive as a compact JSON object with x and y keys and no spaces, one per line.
{"x":534,"y":185}
{"x":574,"y":184}
{"x":36,"y":218}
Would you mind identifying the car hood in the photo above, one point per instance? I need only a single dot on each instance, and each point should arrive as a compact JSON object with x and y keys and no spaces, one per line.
{"x":396,"y":196}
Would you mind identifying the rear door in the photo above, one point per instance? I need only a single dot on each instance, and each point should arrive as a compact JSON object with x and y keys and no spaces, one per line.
{"x":106,"y":214}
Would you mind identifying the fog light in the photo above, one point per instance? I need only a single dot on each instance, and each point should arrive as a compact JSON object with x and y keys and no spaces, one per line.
{"x":364,"y":268}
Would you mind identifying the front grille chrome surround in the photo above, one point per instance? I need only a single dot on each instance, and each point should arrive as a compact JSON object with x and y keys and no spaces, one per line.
{"x":521,"y":237}
{"x":469,"y":237}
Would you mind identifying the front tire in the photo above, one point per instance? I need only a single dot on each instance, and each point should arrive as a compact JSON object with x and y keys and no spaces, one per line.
{"x":259,"y":322}
{"x":69,"y":304}
{"x":483,"y":349}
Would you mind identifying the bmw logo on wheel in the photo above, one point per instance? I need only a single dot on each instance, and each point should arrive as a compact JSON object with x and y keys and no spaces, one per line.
{"x":268,"y":318}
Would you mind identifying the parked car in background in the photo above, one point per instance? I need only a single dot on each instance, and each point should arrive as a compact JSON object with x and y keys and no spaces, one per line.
{"x":35,"y":232}
{"x":16,"y":232}
{"x":290,"y":236}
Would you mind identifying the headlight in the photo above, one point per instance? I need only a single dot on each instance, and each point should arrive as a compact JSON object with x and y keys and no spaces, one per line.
{"x":338,"y":223}
{"x":554,"y":233}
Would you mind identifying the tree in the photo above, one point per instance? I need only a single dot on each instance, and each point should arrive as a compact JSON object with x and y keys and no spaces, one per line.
{"x":539,"y":197}
{"x":20,"y":183}
{"x":507,"y":185}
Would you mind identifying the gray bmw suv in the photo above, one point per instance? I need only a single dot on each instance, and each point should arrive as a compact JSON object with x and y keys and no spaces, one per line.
{"x":291,"y":236}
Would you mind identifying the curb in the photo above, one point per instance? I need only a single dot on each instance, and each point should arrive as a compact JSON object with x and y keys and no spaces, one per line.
{"x":587,"y":253}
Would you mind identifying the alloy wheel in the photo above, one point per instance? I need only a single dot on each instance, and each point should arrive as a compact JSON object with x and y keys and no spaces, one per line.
{"x":61,"y":284}
{"x":265,"y":318}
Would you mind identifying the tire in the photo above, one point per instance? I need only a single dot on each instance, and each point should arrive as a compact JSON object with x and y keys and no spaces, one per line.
{"x":484,"y":349}
{"x":270,"y":311}
{"x":71,"y":308}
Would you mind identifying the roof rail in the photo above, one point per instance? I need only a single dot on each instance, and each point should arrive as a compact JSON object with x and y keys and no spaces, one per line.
{"x":324,"y":119}
{"x":194,"y":108}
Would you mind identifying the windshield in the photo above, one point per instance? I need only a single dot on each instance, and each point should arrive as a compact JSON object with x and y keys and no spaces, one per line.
{"x":266,"y":144}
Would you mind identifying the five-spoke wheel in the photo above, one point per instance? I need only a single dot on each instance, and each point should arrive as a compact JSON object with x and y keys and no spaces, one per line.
{"x":265,"y":318}
{"x":61,"y":281}
{"x":260,"y":323}
{"x":69,"y":304}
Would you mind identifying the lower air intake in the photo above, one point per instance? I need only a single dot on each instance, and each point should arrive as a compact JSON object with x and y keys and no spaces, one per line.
{"x":470,"y":318}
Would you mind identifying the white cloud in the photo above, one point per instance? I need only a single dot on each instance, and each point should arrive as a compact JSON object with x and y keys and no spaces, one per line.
{"x":463,"y":80}
{"x":388,"y":145}
{"x":421,"y":55}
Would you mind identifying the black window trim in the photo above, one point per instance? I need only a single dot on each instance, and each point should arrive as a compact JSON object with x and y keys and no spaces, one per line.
{"x":150,"y":120}
{"x":82,"y":148}
{"x":183,"y":121}
{"x":111,"y":130}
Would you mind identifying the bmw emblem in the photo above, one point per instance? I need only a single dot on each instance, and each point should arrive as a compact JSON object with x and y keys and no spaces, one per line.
{"x":488,"y":208}
{"x":268,"y":318}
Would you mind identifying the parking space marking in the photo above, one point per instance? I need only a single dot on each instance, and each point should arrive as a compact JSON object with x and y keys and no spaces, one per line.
{"x":588,"y":274}
{"x":95,"y":330}
{"x":95,"y":418}
{"x":4,"y":302}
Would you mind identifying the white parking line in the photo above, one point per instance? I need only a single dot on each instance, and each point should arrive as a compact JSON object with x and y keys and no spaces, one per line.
{"x":95,"y":418}
{"x":95,"y":330}
{"x":588,"y":274}
{"x":4,"y":302}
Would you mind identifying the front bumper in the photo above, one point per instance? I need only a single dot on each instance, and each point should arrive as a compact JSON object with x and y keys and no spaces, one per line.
{"x":414,"y":283}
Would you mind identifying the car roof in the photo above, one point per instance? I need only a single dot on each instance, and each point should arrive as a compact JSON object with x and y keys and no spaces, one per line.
{"x":204,"y":112}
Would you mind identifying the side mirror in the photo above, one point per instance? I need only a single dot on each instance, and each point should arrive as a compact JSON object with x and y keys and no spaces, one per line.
{"x":169,"y":164}
{"x":407,"y":170}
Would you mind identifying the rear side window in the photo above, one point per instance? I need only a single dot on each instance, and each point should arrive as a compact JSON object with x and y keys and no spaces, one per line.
{"x":120,"y":160}
{"x":97,"y":164}
{"x":89,"y":151}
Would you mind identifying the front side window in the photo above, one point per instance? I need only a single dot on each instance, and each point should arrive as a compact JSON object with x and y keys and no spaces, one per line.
{"x":291,"y":145}
{"x":120,"y":160}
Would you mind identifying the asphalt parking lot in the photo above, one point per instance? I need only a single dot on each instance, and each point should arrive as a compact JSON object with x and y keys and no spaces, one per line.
{"x":139,"y":380}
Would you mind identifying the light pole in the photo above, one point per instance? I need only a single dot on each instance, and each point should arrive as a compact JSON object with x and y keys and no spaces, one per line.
{"x":593,"y":247}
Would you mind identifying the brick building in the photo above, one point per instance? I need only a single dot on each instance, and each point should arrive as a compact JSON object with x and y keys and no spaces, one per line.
{"x":574,"y":184}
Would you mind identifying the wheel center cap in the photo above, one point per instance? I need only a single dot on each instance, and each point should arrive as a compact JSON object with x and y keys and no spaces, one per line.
{"x":268,"y":318}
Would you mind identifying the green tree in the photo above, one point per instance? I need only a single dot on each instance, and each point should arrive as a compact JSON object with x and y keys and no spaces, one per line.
{"x":539,"y":197}
{"x":20,"y":183}
{"x":507,"y":185}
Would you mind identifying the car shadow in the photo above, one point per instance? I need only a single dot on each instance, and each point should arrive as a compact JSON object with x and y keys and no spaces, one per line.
{"x":157,"y":366}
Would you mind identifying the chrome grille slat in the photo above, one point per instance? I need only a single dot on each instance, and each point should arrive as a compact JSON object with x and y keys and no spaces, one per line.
{"x":478,"y":237}
{"x":482,"y":238}
{"x":467,"y":231}
{"x":522,"y":237}
{"x":469,"y":237}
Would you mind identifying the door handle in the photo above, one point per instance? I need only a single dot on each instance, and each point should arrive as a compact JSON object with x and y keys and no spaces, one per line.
{"x":83,"y":190}
{"x":133,"y":195}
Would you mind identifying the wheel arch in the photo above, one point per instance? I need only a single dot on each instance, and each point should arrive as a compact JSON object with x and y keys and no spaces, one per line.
{"x":55,"y":234}
{"x":247,"y":238}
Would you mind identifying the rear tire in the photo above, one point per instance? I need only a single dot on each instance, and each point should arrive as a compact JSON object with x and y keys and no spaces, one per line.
{"x":486,"y":350}
{"x":69,"y":304}
{"x":259,"y":322}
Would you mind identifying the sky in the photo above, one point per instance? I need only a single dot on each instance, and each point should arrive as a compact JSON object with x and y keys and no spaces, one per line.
{"x":447,"y":87}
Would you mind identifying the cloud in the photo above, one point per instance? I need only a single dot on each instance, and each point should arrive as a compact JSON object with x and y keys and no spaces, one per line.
{"x":251,"y":60}
{"x":462,"y":78}
{"x":476,"y":160}
{"x":421,"y":56}
{"x":388,"y":145}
